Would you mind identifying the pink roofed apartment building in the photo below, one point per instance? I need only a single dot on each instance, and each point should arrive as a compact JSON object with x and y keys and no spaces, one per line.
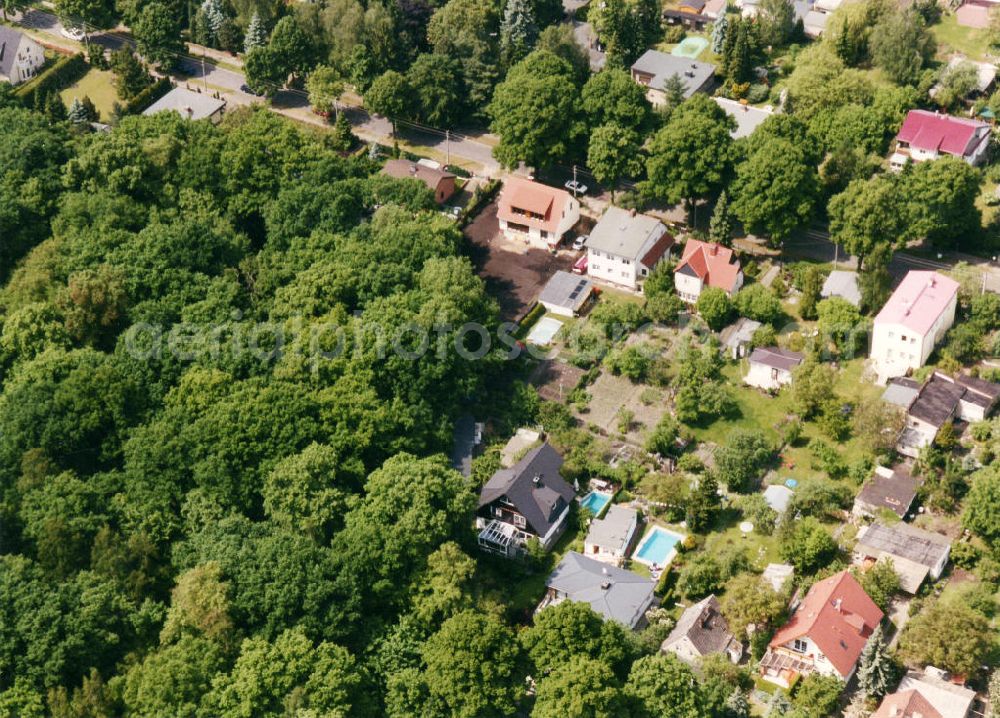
{"x":536,"y":213}
{"x":912,"y":323}
{"x":929,"y":135}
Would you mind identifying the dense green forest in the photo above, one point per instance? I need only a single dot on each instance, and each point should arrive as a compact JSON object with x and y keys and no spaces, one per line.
{"x":196,"y":524}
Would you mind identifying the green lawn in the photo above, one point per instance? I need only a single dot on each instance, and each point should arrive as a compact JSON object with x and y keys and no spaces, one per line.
{"x":98,"y":85}
{"x":952,"y":37}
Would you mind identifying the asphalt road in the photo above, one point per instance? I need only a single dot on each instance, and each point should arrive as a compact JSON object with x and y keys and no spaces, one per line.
{"x":198,"y":71}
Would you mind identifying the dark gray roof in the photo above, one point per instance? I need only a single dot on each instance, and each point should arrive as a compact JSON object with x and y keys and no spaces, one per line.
{"x":567,"y":290}
{"x":704,"y":626}
{"x":905,"y":541}
{"x":986,"y":389}
{"x":937,"y":401}
{"x":662,"y":66}
{"x":534,"y":486}
{"x":901,"y":391}
{"x":893,"y":490}
{"x":615,"y":593}
{"x":464,"y":444}
{"x":776,"y":357}
{"x":10,"y":40}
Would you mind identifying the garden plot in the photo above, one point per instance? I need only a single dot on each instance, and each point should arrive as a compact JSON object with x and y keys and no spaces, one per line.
{"x":612,"y":396}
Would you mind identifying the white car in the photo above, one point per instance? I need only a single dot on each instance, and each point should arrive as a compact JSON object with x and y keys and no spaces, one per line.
{"x":580,"y":242}
{"x":74,"y":33}
{"x":576,"y":187}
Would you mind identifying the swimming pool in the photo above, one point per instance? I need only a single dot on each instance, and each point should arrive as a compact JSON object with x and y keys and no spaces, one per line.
{"x":657,"y":547}
{"x":595,"y":502}
{"x":690,"y":47}
{"x":544,"y":331}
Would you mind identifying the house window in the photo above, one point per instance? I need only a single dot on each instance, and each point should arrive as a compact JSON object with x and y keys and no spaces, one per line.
{"x":891,"y":335}
{"x":799,"y":645}
{"x":626,"y":261}
{"x":903,"y":337}
{"x":774,"y":375}
{"x":497,"y":511}
{"x":624,"y":274}
{"x":545,"y":234}
{"x":519,"y":520}
{"x":644,"y":271}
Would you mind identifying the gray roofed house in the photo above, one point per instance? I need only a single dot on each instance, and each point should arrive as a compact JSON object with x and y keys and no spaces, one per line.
{"x":20,"y":56}
{"x":888,"y":490}
{"x":528,"y":500}
{"x":942,"y":399}
{"x":915,"y":553}
{"x":612,"y":592}
{"x":625,"y":246}
{"x":654,"y":68}
{"x":947,"y":698}
{"x":842,"y":284}
{"x":188,"y":104}
{"x":465,"y":438}
{"x":747,"y":118}
{"x":609,"y":537}
{"x":735,"y":339}
{"x":771,"y":367}
{"x":566,"y":293}
{"x":702,"y":630}
{"x":814,"y":23}
{"x":901,"y":391}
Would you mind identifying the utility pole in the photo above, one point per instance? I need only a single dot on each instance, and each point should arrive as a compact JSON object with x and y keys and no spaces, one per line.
{"x":836,"y":253}
{"x":204,"y":72}
{"x":447,"y":147}
{"x":574,"y":180}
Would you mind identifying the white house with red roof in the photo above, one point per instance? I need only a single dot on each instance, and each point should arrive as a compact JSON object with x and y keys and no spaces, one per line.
{"x":928,"y":135}
{"x":912,"y":322}
{"x":624,"y":247}
{"x":906,"y":704}
{"x":706,"y":264}
{"x":536,"y":213}
{"x":826,"y":634}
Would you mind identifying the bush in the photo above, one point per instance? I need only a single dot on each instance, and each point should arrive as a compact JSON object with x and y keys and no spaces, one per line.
{"x":673,"y":34}
{"x":757,"y":302}
{"x":758,"y":92}
{"x":715,"y":307}
{"x":663,"y":437}
{"x":631,"y":362}
{"x":63,"y":73}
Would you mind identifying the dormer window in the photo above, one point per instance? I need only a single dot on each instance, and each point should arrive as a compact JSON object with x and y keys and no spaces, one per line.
{"x":800,"y":646}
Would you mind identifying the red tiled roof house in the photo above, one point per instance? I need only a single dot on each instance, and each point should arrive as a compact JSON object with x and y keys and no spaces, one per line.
{"x":928,"y":135}
{"x":825,"y":635}
{"x":706,"y":264}
{"x":907,"y":704}
{"x":536,"y":213}
{"x":440,"y":182}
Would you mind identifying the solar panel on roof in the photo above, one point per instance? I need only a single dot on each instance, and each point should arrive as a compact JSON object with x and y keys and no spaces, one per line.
{"x":574,"y":294}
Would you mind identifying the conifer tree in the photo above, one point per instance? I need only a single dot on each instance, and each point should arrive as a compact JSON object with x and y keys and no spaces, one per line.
{"x":876,"y":671}
{"x":256,"y":34}
{"x":720,"y":28}
{"x":77,"y":112}
{"x":518,"y":31}
{"x":720,"y":228}
{"x":54,"y":107}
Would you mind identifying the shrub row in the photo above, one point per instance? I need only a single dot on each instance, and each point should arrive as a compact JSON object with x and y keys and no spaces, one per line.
{"x":61,"y":74}
{"x":148,"y":96}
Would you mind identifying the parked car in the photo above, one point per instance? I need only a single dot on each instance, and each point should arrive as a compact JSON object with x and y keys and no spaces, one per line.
{"x":576,"y":187}
{"x":247,"y":89}
{"x":580,"y":266}
{"x":580,"y":242}
{"x":73,"y":33}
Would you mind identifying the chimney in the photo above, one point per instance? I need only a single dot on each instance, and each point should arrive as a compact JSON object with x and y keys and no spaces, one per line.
{"x":933,"y":281}
{"x":837,"y":603}
{"x":189,"y":111}
{"x":3,"y":47}
{"x":631,"y":212}
{"x":713,"y":249}
{"x":536,"y":480}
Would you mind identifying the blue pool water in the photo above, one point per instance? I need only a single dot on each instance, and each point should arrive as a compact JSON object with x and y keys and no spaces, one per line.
{"x":690,"y":47}
{"x":657,"y":547}
{"x":595,"y":502}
